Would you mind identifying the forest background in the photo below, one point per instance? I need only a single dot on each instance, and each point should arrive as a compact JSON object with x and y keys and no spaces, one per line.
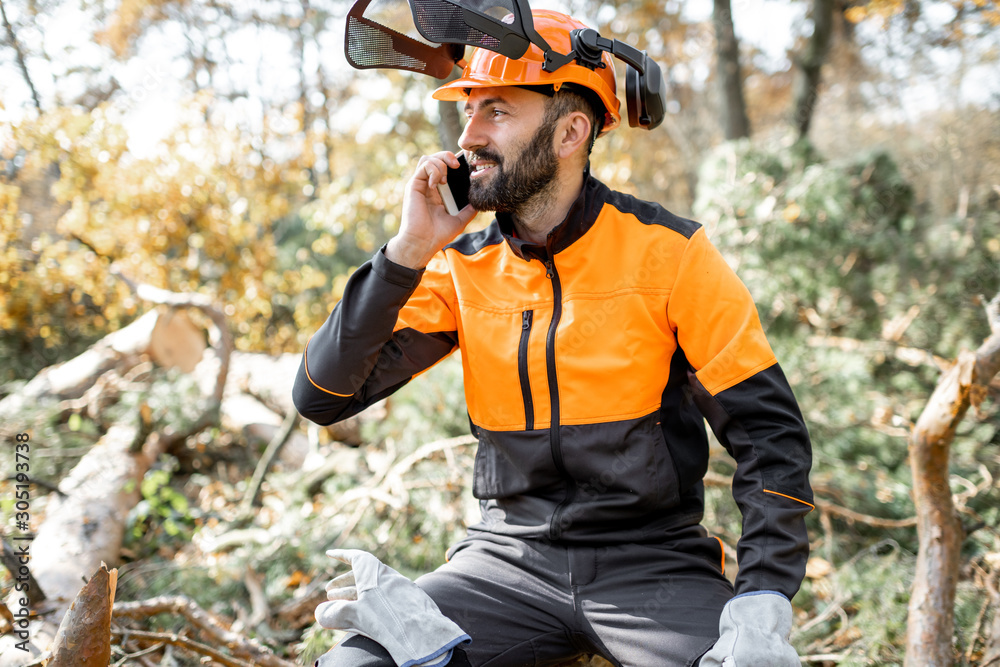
{"x":844,"y":155}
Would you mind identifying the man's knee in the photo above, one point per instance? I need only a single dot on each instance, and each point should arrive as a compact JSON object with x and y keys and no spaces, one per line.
{"x":358,"y":651}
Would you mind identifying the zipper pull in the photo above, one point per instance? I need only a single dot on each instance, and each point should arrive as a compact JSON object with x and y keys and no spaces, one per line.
{"x":550,"y":269}
{"x":526,"y":319}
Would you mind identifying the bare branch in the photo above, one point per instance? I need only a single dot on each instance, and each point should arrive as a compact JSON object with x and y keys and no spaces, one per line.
{"x":178,"y":640}
{"x":715,"y":479}
{"x":910,"y":356}
{"x":866,"y":519}
{"x":10,"y":561}
{"x":205,"y":622}
{"x":250,"y":499}
{"x":931,"y":609}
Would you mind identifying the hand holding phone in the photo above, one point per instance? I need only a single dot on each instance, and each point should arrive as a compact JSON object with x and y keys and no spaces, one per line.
{"x":456,"y":193}
{"x":425,"y":227}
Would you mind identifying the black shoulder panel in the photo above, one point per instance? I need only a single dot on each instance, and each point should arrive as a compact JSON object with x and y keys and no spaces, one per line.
{"x":649,"y":213}
{"x":470,"y":244}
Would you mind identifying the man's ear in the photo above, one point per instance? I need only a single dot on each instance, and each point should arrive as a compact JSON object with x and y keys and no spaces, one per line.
{"x":573,"y":134}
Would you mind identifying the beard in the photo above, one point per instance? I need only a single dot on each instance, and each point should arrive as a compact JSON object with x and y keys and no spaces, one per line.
{"x":530,"y":172}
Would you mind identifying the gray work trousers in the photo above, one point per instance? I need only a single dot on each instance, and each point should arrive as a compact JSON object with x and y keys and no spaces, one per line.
{"x":527,"y":602}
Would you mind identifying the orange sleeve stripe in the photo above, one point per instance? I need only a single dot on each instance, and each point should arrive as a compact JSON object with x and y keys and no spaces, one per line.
{"x":722,"y":548}
{"x":811,"y":506}
{"x":305,"y":364}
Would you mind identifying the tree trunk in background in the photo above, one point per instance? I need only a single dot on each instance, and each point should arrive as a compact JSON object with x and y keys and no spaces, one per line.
{"x":734,"y":111}
{"x":930,"y":627}
{"x":449,"y":121}
{"x":304,"y":104}
{"x":810,"y":64}
{"x":12,"y":40}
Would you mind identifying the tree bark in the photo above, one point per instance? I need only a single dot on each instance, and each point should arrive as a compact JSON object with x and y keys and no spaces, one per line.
{"x":735,"y":123}
{"x":810,"y":65}
{"x":930,"y":628}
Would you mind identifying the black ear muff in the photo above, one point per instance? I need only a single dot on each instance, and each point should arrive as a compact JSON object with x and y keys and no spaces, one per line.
{"x":645,"y":94}
{"x":633,"y":96}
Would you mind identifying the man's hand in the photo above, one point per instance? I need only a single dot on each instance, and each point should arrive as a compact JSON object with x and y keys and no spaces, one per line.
{"x":427,"y":226}
{"x":754,"y":631}
{"x":376,"y":601}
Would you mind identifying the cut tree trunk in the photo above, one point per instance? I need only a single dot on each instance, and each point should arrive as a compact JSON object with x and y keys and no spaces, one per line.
{"x":930,"y":629}
{"x":84,"y":636}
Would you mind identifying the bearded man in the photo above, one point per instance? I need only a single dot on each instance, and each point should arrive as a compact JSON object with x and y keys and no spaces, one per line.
{"x":598,"y":333}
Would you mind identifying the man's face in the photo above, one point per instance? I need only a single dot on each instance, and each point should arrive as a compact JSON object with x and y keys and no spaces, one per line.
{"x":509,"y":148}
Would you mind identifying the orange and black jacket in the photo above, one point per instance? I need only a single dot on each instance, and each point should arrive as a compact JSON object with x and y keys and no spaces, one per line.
{"x":589,"y":364}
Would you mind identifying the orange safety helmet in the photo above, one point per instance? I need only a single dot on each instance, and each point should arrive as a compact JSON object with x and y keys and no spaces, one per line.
{"x":487,"y":68}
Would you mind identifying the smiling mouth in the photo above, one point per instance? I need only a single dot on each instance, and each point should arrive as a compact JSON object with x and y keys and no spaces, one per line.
{"x":478,"y":170}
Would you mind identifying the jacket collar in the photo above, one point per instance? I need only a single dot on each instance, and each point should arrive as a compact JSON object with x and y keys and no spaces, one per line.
{"x":581,"y":217}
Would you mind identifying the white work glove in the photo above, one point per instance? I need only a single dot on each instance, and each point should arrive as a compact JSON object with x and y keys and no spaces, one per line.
{"x":376,"y":601}
{"x":753,"y":632}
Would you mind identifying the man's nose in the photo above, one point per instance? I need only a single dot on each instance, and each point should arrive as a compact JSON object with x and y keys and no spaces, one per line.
{"x":472,"y":136}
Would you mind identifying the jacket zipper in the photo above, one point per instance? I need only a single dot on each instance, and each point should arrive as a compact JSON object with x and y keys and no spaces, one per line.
{"x":550,"y":364}
{"x":522,"y":369}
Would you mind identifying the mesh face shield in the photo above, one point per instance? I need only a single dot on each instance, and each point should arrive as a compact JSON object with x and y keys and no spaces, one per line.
{"x":380,"y":35}
{"x":377,"y":38}
{"x":490,"y":24}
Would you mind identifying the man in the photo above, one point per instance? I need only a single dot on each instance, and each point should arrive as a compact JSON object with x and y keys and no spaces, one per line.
{"x":596,"y":331}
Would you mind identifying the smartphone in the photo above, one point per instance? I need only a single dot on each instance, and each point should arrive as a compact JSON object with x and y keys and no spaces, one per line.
{"x":456,"y":193}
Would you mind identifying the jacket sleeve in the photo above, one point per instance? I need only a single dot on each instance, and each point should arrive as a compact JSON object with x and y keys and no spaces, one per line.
{"x":741,"y":391}
{"x":392,"y":323}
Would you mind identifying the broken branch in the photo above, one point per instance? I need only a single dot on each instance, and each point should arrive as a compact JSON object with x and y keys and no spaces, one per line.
{"x":213,"y":628}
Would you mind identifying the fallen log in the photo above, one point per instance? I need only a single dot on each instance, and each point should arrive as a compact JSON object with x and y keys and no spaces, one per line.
{"x":84,"y":526}
{"x":72,"y":378}
{"x":166,"y":335}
